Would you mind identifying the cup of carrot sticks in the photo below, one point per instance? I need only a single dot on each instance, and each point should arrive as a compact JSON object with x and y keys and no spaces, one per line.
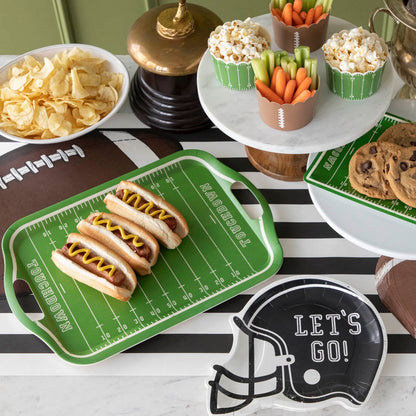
{"x":232,"y":46}
{"x":286,"y":87}
{"x":300,"y":22}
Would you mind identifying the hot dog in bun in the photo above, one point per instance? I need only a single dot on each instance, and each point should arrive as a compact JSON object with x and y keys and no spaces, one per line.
{"x":150,"y":211}
{"x":90,"y":262}
{"x":130,"y":241}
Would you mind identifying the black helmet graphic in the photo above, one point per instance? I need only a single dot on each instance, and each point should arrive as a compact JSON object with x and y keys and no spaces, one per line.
{"x":304,"y":341}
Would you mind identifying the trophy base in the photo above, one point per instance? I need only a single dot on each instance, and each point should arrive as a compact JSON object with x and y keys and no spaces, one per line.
{"x":168,"y":103}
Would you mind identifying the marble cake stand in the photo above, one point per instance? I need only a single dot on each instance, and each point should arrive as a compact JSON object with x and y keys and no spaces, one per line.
{"x":284,"y":154}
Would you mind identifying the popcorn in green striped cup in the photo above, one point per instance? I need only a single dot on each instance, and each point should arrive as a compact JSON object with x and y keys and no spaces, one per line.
{"x":355,"y":61}
{"x":232,"y":46}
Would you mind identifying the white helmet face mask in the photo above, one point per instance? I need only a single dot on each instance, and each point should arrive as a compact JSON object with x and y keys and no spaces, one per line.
{"x":303,"y":343}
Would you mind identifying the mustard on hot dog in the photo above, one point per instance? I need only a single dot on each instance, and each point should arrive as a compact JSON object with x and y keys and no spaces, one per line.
{"x":92,"y":263}
{"x":130,"y":241}
{"x":150,"y":211}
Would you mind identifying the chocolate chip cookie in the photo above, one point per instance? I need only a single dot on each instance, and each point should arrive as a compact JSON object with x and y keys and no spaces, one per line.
{"x":367,"y":172}
{"x":401,"y":174}
{"x":402,"y":134}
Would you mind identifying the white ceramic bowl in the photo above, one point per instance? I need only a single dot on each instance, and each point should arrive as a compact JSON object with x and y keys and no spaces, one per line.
{"x":113,"y":63}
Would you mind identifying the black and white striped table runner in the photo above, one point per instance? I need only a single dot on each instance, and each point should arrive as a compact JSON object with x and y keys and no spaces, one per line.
{"x":310,"y":246}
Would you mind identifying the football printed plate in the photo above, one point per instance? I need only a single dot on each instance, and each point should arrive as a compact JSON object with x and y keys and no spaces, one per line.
{"x":302,"y":343}
{"x":225,"y":253}
{"x":329,"y":171}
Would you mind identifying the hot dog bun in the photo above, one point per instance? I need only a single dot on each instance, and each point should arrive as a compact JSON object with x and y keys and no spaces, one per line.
{"x":102,"y":230}
{"x":77,"y":272}
{"x":168,"y":237}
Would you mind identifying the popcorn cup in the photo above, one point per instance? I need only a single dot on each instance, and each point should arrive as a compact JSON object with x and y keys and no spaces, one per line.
{"x":348,"y":75}
{"x":287,"y":117}
{"x":353,"y":86}
{"x":289,"y":37}
{"x":237,"y":75}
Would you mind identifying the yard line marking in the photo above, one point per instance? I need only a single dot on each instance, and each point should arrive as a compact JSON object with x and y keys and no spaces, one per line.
{"x":99,"y":326}
{"x":221,"y":225}
{"x":176,"y":278}
{"x":114,"y":314}
{"x":193,"y":272}
{"x":148,"y":301}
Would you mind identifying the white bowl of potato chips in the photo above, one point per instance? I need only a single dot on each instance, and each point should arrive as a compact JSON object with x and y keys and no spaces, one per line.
{"x":60,"y":92}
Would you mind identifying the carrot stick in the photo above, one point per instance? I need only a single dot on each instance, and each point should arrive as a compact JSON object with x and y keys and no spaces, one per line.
{"x":302,"y":15}
{"x":321,"y":17}
{"x":303,"y":25}
{"x":289,"y":91}
{"x":309,"y":16}
{"x":287,"y":14}
{"x":297,"y":6}
{"x":278,"y":14}
{"x":318,"y":12}
{"x":296,"y":19}
{"x":304,"y":85}
{"x":273,"y":80}
{"x":280,"y":83}
{"x":300,"y":75}
{"x":303,"y":96}
{"x":266,"y":92}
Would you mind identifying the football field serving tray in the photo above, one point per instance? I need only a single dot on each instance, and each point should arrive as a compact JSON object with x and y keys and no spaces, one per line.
{"x":226,"y":252}
{"x":329,"y":171}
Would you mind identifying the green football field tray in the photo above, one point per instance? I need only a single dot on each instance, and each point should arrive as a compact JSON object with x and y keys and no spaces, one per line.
{"x":329,"y":171}
{"x":226,"y":252}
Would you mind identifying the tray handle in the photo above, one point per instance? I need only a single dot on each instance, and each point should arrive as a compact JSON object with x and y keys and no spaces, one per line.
{"x":16,"y":300}
{"x":254,"y":214}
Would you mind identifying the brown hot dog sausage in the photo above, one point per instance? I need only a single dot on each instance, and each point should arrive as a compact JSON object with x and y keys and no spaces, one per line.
{"x":142,"y":251}
{"x":170,"y":222}
{"x":116,"y":279}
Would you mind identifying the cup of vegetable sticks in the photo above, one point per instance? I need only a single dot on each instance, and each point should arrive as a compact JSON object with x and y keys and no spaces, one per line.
{"x":300,"y":22}
{"x":286,"y":88}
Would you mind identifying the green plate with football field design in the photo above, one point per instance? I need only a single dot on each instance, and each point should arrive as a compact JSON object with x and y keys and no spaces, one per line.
{"x":226,"y":252}
{"x":329,"y":171}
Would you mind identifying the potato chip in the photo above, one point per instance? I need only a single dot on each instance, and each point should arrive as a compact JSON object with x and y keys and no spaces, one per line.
{"x":59,"y":96}
{"x":58,"y":125}
{"x":20,"y":112}
{"x":59,"y":84}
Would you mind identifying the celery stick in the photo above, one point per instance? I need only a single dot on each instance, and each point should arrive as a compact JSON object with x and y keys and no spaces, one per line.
{"x":282,"y":4}
{"x":307,"y":65}
{"x":326,"y":7}
{"x":260,"y":70}
{"x":268,"y":56}
{"x":319,"y":2}
{"x":275,"y":4}
{"x":284,"y":61}
{"x":278,"y":56}
{"x":307,"y":4}
{"x":302,"y":53}
{"x":311,"y":66}
{"x":291,"y":69}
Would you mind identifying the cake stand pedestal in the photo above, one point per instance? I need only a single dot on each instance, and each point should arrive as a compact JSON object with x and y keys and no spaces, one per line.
{"x":286,"y":167}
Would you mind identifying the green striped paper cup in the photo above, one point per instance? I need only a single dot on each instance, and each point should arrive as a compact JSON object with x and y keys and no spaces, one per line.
{"x":356,"y":86}
{"x":236,"y":76}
